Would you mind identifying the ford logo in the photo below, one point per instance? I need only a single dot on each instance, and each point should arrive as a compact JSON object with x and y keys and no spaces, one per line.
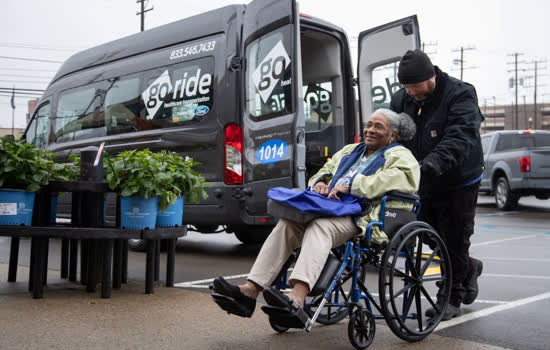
{"x":201,"y":110}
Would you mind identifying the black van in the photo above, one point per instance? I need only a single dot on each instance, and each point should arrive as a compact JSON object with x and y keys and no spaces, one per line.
{"x":257,"y":93}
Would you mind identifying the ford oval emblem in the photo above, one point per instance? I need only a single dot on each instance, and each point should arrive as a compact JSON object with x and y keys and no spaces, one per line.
{"x":201,"y":110}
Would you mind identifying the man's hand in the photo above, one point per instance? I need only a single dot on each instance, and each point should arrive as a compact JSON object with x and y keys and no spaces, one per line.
{"x":321,"y":188}
{"x":428,"y":169}
{"x":337,"y":189}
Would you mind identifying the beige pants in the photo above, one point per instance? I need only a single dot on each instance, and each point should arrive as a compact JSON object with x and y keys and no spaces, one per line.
{"x":316,"y":240}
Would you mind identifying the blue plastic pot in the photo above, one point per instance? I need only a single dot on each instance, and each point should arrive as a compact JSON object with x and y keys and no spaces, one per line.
{"x":16,"y":207}
{"x":53,"y":210}
{"x":138,"y":212}
{"x":171,"y":217}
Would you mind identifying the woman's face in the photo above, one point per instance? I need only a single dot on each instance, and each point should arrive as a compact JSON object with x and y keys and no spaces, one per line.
{"x":376,"y":132}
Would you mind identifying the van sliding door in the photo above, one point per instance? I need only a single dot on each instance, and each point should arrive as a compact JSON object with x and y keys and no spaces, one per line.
{"x":380,"y":50}
{"x":273,"y":119}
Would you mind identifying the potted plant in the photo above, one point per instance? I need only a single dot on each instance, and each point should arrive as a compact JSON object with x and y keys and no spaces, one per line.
{"x":133,"y":174}
{"x":25,"y":169}
{"x":177,"y":177}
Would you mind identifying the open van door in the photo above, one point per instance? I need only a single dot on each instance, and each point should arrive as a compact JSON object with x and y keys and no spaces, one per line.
{"x":380,"y":50}
{"x":273,"y":135}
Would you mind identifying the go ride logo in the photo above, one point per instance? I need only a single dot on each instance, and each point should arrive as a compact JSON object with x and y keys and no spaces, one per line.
{"x":184,"y":90}
{"x":271,"y":70}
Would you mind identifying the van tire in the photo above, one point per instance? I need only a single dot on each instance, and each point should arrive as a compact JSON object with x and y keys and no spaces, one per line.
{"x":505,"y":198}
{"x":251,"y":234}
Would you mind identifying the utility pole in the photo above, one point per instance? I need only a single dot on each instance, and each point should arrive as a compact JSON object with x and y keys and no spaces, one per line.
{"x":536,"y":84}
{"x":427,"y":51}
{"x":12,"y":110}
{"x":485,"y":116}
{"x":494,"y":112}
{"x":461,"y":59}
{"x":516,"y":54}
{"x":142,"y":12}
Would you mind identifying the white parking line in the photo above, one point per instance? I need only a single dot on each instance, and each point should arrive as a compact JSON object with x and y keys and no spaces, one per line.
{"x":197,"y":283}
{"x":491,"y":310}
{"x":515,"y":276}
{"x":515,"y":259}
{"x":502,"y":240}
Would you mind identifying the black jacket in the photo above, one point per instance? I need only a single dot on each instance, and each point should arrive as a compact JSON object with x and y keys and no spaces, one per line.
{"x":447,"y":133}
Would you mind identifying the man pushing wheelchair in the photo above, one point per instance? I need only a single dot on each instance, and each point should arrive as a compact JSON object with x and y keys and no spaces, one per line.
{"x":366,"y":170}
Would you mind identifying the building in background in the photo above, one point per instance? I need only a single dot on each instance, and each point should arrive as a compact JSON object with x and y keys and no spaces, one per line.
{"x":31,"y":106}
{"x":503,"y":117}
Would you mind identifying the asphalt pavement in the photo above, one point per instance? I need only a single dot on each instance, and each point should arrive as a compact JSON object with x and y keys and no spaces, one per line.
{"x":511,"y":310}
{"x":171,"y":318}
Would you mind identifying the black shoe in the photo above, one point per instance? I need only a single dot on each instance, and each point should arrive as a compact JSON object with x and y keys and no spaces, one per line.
{"x":452,"y":311}
{"x":230,"y":298}
{"x":470,"y":284}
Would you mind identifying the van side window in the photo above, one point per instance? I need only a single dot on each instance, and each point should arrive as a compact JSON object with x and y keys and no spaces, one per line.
{"x":318,"y":106}
{"x":179,"y":94}
{"x":384,"y":84}
{"x":78,"y":115}
{"x":122,"y":106}
{"x":268,"y":75}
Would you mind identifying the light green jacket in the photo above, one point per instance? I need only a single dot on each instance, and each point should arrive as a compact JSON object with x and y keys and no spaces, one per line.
{"x":399,"y":173}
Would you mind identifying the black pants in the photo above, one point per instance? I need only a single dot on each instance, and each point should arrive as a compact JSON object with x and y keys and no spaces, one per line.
{"x":452,"y":216}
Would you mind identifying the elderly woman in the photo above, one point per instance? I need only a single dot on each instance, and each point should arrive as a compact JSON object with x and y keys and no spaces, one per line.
{"x":367,"y":170}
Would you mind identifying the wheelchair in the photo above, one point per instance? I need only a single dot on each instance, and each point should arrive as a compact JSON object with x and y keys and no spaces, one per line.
{"x":412,"y":267}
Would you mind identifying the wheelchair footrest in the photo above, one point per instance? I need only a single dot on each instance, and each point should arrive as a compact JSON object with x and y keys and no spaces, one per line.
{"x":287,"y":316}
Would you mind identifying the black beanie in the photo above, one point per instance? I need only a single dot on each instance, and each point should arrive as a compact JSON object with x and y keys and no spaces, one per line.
{"x":415,"y":67}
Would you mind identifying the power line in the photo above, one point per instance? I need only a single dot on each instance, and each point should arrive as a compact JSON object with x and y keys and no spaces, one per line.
{"x":16,"y":89}
{"x":23,"y":46}
{"x":24,"y":76}
{"x":30,"y":70}
{"x":25,"y":81}
{"x":29,"y":59}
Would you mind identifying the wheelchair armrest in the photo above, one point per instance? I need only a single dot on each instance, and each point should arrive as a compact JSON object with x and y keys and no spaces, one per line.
{"x":411,"y":196}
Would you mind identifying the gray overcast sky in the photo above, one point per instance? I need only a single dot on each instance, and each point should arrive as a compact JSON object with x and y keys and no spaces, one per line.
{"x":55,"y":29}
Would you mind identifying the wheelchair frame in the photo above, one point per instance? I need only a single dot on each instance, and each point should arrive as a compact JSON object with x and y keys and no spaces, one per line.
{"x":357,"y":254}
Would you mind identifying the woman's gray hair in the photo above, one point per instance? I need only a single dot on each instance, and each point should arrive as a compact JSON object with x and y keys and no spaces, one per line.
{"x":400,"y":122}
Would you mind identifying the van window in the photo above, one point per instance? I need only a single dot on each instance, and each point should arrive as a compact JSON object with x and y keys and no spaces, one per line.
{"x":122,"y":106}
{"x":384,"y":84}
{"x":180,"y":95}
{"x":318,"y":106}
{"x":268,"y":75}
{"x":37,"y":133}
{"x":78,"y":114}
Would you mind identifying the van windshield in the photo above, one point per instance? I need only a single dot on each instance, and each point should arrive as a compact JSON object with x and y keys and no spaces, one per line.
{"x":163,"y":97}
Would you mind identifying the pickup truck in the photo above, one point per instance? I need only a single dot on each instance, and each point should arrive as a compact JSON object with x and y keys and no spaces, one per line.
{"x":517,"y":163}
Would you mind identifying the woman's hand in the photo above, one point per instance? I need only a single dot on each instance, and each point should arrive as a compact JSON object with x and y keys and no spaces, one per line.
{"x":337,"y":189}
{"x":321,"y":188}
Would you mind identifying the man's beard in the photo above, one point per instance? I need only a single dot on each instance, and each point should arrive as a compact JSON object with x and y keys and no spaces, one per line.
{"x":431,"y":88}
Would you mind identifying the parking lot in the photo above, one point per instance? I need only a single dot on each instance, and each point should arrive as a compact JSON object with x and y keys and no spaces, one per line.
{"x":511,"y":310}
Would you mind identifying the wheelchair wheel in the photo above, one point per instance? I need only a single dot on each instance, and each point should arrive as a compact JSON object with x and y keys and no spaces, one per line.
{"x":361,"y":328}
{"x":276,"y":327}
{"x":329,"y":314}
{"x":415,"y":267}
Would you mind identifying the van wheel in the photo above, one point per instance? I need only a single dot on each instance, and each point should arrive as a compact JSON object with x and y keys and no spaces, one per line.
{"x":505,"y":198}
{"x":251,"y":234}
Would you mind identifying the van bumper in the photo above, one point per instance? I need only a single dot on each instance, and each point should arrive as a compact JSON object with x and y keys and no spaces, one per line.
{"x":234,"y":205}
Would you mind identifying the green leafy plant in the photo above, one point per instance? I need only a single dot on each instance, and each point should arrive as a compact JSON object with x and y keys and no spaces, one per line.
{"x":148,"y":174}
{"x":178,"y":177}
{"x":26,"y":167}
